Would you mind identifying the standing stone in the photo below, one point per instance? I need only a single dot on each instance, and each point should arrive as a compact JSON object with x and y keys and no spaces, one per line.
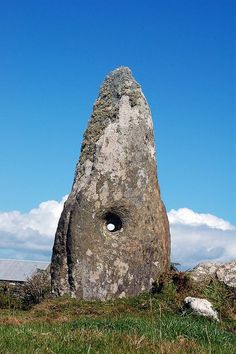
{"x":113,"y":236}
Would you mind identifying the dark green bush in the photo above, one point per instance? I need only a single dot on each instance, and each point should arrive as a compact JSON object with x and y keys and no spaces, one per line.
{"x":9,"y":296}
{"x":35,"y":289}
{"x":24,"y":296}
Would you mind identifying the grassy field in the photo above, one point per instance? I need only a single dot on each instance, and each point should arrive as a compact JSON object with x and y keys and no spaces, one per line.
{"x":145,"y":324}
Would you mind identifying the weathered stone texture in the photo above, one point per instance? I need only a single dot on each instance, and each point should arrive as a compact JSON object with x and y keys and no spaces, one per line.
{"x":115,"y":186}
{"x":224,"y":272}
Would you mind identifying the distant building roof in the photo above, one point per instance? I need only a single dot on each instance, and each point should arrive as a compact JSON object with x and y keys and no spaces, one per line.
{"x":15,"y":270}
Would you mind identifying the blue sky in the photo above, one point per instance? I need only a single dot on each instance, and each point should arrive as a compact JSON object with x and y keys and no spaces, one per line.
{"x":54,"y":56}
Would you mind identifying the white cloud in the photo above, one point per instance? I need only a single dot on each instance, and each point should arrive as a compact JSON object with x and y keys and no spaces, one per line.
{"x":198,"y":237}
{"x":30,"y":235}
{"x":195,"y":237}
{"x":186,"y":216}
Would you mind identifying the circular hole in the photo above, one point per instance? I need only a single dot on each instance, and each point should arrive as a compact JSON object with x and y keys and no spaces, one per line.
{"x":113,"y":222}
{"x":111,"y":227}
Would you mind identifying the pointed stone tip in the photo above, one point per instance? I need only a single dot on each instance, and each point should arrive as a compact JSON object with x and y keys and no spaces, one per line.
{"x":122,"y":72}
{"x":119,"y":82}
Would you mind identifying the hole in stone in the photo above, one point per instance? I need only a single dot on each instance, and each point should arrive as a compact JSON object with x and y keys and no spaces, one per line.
{"x":113,"y":222}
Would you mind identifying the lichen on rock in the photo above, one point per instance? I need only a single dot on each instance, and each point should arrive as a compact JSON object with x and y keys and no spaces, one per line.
{"x":115,"y":184}
{"x":207,"y":271}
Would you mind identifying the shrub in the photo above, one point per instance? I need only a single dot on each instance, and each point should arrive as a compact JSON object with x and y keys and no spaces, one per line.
{"x":35,"y":289}
{"x":9,"y":296}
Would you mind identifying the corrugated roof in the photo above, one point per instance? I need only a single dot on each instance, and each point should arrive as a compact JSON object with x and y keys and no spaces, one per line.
{"x":15,"y":270}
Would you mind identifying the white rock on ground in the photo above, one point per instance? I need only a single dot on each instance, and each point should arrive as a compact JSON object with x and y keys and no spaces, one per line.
{"x":201,"y":307}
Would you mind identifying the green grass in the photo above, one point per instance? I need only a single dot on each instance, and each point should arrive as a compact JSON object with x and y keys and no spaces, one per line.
{"x":143,"y":324}
{"x":124,"y":326}
{"x":123,"y":334}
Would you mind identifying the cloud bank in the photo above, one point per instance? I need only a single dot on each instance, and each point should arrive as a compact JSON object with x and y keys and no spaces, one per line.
{"x":30,"y":235}
{"x":198,"y":238}
{"x":195,"y":237}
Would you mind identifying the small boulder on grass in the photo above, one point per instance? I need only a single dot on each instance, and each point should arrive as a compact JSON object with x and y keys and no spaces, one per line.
{"x":201,"y":307}
{"x":226,"y":273}
{"x":223,"y":272}
{"x":204,"y":272}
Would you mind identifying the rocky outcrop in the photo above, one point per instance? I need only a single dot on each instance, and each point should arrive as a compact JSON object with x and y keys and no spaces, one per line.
{"x":201,"y":307}
{"x":204,"y":272}
{"x":224,"y":272}
{"x":113,"y":236}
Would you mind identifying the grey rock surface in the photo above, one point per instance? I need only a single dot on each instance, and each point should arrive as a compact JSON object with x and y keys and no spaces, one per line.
{"x":224,"y":272}
{"x":113,"y":235}
{"x":204,"y":272}
{"x":201,"y":307}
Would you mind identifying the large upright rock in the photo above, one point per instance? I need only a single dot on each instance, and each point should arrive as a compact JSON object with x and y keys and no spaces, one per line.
{"x":113,"y":236}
